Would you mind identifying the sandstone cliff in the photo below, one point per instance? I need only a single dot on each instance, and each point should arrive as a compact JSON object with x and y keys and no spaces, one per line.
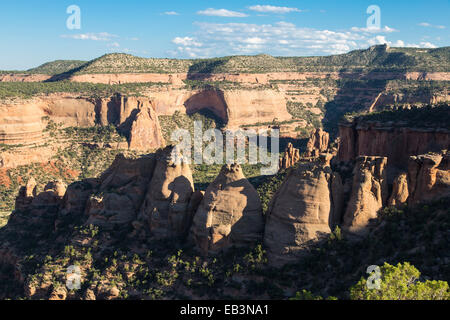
{"x":392,"y":140}
{"x":24,"y":124}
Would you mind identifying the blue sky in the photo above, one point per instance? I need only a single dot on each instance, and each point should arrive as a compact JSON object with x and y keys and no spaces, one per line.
{"x":34,"y":32}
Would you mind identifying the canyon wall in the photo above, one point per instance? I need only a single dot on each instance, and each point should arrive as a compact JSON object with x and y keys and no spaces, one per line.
{"x":389,"y":140}
{"x":23,"y":119}
{"x":257,"y":78}
{"x":23,"y":125}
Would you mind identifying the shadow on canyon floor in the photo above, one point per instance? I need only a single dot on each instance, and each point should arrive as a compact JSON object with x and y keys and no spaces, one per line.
{"x":354,"y":95}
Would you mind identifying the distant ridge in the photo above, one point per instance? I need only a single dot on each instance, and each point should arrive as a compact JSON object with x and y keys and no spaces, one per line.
{"x":375,"y":58}
{"x":56,"y":67}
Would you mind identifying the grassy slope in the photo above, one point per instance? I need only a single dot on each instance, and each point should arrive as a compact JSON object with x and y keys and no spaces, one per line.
{"x":30,"y":89}
{"x":376,"y":58}
{"x":372,"y":59}
{"x":56,"y":67}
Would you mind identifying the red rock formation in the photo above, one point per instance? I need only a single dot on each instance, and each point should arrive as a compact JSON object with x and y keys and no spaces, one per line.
{"x":165,"y":211}
{"x":290,"y":158}
{"x":303,"y":209}
{"x":22,"y":123}
{"x":230,"y":213}
{"x":122,"y":190}
{"x":317,"y":143}
{"x":369,"y":194}
{"x":428,"y":178}
{"x":145,"y":133}
{"x":400,"y":191}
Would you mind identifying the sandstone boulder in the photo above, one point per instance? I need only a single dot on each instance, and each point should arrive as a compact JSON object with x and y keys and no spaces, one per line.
{"x":369,"y":193}
{"x":230,"y":213}
{"x":59,"y":293}
{"x":37,"y":209}
{"x":302,"y":210}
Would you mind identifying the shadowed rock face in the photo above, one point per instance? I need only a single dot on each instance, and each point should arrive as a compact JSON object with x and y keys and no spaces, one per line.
{"x":400,"y":191}
{"x":76,"y":197}
{"x":211,"y":99}
{"x":303,"y":209}
{"x":26,"y":194}
{"x":428,"y":178}
{"x":166,"y":210}
{"x":121,"y":192}
{"x":369,"y":193}
{"x":230,"y":213}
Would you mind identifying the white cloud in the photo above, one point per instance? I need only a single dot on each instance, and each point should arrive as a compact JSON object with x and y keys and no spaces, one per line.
{"x":102,"y":36}
{"x":281,"y":38}
{"x":273,"y":9}
{"x":378,"y":40}
{"x":113,"y":45}
{"x":171,"y":13}
{"x":385,"y":29}
{"x":222,"y":13}
{"x":254,"y":40}
{"x":428,"y":45}
{"x":429,"y":25}
{"x":186,"y":41}
{"x":400,"y":43}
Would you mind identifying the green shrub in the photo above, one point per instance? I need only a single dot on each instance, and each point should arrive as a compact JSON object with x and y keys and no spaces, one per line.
{"x":400,"y":283}
{"x":308,"y":295}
